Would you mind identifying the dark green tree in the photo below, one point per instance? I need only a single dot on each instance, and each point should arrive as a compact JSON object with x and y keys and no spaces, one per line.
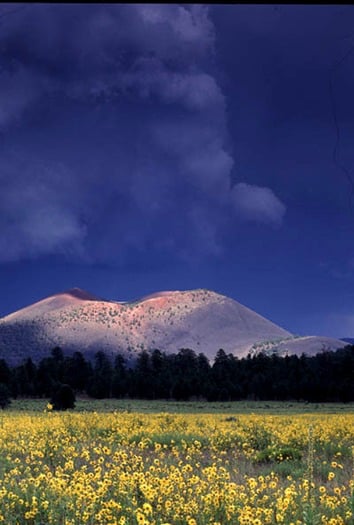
{"x":50,"y":372}
{"x":120,"y":377}
{"x":5,"y":373}
{"x":76,"y":371}
{"x":25,"y":379}
{"x":4,"y":396}
{"x":186,"y":374}
{"x":162,"y":377}
{"x":100,"y":382}
{"x":203,"y":376}
{"x":222,"y":376}
{"x":141,"y":378}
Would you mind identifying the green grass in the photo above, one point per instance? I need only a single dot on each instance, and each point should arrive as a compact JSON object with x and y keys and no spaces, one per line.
{"x":191,"y":407}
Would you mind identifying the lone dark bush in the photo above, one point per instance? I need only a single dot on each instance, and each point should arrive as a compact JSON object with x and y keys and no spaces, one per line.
{"x":63,"y":398}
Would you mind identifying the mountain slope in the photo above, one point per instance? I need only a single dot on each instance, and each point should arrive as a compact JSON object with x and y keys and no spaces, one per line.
{"x":310,"y":345}
{"x":76,"y":320}
{"x":69,"y":298}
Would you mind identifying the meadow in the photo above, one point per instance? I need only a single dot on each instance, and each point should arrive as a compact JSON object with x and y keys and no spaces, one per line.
{"x":165,"y":463}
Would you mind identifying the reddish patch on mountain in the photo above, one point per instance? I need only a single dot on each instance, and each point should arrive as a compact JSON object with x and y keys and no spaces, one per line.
{"x":81,"y":294}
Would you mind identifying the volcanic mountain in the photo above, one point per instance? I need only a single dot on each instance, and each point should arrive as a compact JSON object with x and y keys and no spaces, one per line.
{"x":198,"y":319}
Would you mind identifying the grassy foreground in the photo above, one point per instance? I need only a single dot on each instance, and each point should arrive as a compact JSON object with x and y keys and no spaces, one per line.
{"x":84,"y":404}
{"x":126,"y":463}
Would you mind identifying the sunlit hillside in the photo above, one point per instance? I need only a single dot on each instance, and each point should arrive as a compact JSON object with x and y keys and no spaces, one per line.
{"x":198,"y":319}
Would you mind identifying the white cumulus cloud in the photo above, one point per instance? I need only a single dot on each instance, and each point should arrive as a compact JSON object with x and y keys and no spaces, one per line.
{"x":256,"y":203}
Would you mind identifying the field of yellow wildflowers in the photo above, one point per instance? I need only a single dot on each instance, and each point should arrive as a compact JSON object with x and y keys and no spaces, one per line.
{"x":124,"y":468}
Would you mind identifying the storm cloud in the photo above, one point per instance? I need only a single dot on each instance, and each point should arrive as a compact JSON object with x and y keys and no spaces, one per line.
{"x":114,"y":135}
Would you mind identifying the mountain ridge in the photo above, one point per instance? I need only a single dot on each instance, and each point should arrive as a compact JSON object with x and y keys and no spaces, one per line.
{"x":200,"y":319}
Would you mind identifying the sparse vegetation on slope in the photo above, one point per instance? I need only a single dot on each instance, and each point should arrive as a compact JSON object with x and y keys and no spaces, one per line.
{"x":198,"y":319}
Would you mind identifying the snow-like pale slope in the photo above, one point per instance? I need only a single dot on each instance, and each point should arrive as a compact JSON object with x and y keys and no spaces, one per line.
{"x":310,"y":345}
{"x":71,"y":297}
{"x":199,"y":319}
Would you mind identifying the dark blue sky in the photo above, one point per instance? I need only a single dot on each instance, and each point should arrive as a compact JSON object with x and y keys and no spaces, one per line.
{"x":174,"y":147}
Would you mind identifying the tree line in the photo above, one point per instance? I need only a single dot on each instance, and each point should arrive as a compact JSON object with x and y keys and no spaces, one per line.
{"x":185,"y":375}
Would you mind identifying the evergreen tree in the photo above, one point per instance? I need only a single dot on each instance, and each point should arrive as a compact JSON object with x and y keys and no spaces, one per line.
{"x":100,"y":383}
{"x":76,"y":371}
{"x":120,"y":377}
{"x":221,"y":375}
{"x":142,"y":383}
{"x":186,"y":372}
{"x":161,"y":375}
{"x":5,"y":373}
{"x":328,"y":376}
{"x":203,"y":376}
{"x":24,"y":378}
{"x":4,"y":396}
